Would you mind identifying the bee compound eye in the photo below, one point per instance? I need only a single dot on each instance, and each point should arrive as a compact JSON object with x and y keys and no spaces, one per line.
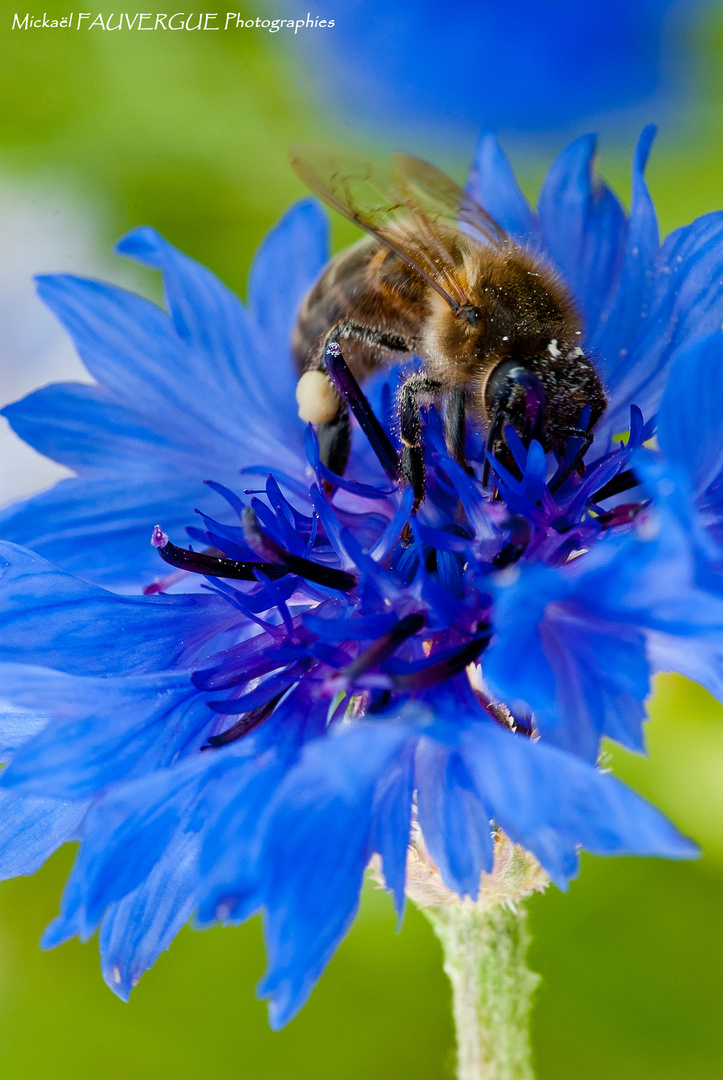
{"x":470,"y":314}
{"x":317,"y":398}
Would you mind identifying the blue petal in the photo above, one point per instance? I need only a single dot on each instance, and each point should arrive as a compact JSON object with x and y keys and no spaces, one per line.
{"x":612,"y":338}
{"x":686,"y":303}
{"x":31,"y":829}
{"x":205,"y":314}
{"x":391,"y":813}
{"x":583,"y":676}
{"x":492,"y":183}
{"x":87,"y":429}
{"x":234,"y":831}
{"x":132,"y":348}
{"x":100,"y":529}
{"x":697,"y":660}
{"x":286,"y":266}
{"x":690,"y":418}
{"x":551,"y":802}
{"x":454,"y":821}
{"x":235,"y":811}
{"x":17,"y":725}
{"x":124,"y":836}
{"x":583,"y":227}
{"x":316,"y":848}
{"x":138,"y":928}
{"x":223,"y":351}
{"x":126,"y":342}
{"x":82,"y":629}
{"x":147,"y":420}
{"x":251,"y":350}
{"x":104,"y":730}
{"x":534,"y":478}
{"x":649,"y":581}
{"x":603,"y":681}
{"x":519,"y":609}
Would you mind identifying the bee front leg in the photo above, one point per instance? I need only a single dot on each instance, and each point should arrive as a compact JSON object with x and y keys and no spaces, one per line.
{"x":411,"y":397}
{"x":455,"y":429}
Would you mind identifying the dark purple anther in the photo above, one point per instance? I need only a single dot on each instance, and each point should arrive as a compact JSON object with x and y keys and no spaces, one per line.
{"x":384,"y":646}
{"x":624,"y":514}
{"x":280,"y":559}
{"x":197,"y":562}
{"x":242,"y":726}
{"x":515,"y":547}
{"x":449,"y":664}
{"x":352,"y":394}
{"x":624,"y":481}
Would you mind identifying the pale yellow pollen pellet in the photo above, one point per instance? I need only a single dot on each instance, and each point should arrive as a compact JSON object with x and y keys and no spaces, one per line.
{"x":316,"y":397}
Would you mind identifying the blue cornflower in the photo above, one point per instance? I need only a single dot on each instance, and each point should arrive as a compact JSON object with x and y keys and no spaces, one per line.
{"x":520,"y":66}
{"x":348,"y":669}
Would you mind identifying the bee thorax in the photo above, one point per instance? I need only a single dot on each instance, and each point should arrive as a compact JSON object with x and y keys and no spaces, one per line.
{"x":317,"y":398}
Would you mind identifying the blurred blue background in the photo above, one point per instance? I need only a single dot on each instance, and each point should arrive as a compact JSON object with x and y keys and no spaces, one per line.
{"x":100,"y":132}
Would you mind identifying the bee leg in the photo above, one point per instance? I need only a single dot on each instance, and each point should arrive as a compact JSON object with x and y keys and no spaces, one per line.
{"x":371,"y":335}
{"x":353,"y":398}
{"x":411,"y":393}
{"x":577,"y":433}
{"x":335,"y":441}
{"x":455,"y":431}
{"x":499,"y":418}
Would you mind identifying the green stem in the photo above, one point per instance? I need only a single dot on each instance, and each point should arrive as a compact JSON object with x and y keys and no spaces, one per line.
{"x":484,"y":957}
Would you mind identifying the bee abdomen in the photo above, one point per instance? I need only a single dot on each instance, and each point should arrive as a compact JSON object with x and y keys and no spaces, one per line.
{"x":365,"y":286}
{"x":329,"y":301}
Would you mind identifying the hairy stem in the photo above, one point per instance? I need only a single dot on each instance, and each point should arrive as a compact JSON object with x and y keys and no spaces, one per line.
{"x":484,"y":957}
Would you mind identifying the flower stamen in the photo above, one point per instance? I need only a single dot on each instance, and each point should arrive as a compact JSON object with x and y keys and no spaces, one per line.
{"x":243,"y":725}
{"x":421,"y":675}
{"x":329,"y":576}
{"x":198,"y":562}
{"x":384,"y":646}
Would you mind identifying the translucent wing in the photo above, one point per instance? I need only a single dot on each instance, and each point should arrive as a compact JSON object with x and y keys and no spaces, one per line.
{"x":412,"y":208}
{"x":439,"y":197}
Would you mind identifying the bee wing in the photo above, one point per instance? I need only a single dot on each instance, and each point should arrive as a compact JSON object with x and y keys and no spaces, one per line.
{"x":441,"y":198}
{"x":412,"y":208}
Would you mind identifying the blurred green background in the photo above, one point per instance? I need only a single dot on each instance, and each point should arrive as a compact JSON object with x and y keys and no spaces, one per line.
{"x":189,"y":132}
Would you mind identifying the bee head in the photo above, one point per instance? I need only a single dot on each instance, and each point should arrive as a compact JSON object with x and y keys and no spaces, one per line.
{"x":543,"y":396}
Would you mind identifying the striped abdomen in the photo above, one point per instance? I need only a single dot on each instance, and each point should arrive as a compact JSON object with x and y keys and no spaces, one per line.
{"x":367,"y":285}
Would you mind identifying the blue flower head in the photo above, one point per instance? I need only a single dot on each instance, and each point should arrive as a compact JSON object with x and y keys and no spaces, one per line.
{"x":521,"y":66}
{"x":320,"y":669}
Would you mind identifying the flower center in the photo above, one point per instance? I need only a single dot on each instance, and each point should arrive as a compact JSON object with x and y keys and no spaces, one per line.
{"x":373,"y":610}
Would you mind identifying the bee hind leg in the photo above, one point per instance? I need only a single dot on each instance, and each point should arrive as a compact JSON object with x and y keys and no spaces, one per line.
{"x":353,"y":399}
{"x":412,"y":395}
{"x":335,"y":441}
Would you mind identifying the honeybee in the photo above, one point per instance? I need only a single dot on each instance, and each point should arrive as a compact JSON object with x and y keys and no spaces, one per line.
{"x":494,"y":325}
